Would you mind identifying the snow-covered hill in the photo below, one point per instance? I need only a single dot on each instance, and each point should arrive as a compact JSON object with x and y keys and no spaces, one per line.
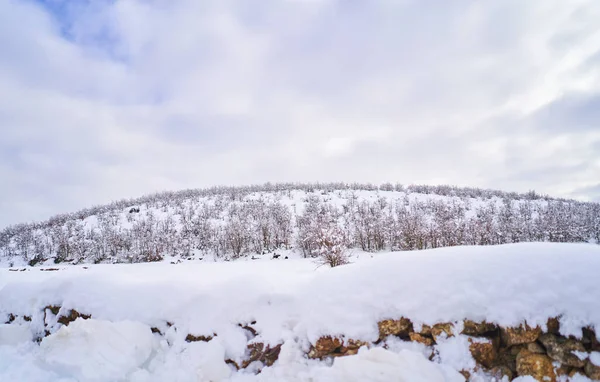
{"x":227,"y":223}
{"x":200,"y":321}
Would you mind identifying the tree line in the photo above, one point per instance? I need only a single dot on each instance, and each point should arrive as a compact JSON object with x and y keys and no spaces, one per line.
{"x":230,"y":222}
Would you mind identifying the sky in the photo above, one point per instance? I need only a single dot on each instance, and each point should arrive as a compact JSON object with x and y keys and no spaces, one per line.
{"x":110,"y":99}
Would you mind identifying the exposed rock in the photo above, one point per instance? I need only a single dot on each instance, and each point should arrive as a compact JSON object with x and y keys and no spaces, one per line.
{"x":27,"y":318}
{"x":416,"y":337}
{"x":592,"y":371}
{"x":561,"y":349}
{"x":553,"y":325}
{"x":11,"y":318}
{"x":563,"y":370}
{"x":590,"y":341}
{"x":438,"y":329}
{"x":575,"y":372}
{"x":536,"y":348}
{"x":193,"y":338}
{"x":253,"y":333}
{"x":258,"y":352}
{"x":466,"y":374}
{"x":472,"y":328}
{"x":233,"y":363}
{"x":508,"y":357}
{"x":523,"y":334}
{"x":539,"y":366}
{"x":501,"y":371}
{"x":54,"y":309}
{"x":351,"y":347}
{"x":72,"y":316}
{"x":400,"y":328}
{"x":156,"y":330}
{"x":484,"y":353}
{"x":325,"y":346}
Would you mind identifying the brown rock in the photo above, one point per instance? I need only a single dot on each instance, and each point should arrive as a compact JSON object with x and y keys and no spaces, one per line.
{"x":258,"y":352}
{"x":72,"y":316}
{"x":400,"y":328}
{"x":54,"y":309}
{"x":426,"y":331}
{"x":592,"y":371}
{"x":561,"y":349}
{"x":508,"y":357}
{"x":553,"y":325}
{"x":538,"y":366}
{"x":193,"y":338}
{"x":536,"y":348}
{"x":500,"y":372}
{"x":232,"y":363}
{"x":416,"y":337}
{"x":590,"y":341}
{"x":563,"y":370}
{"x":523,"y":334}
{"x":575,"y":372}
{"x":325,"y":346}
{"x":466,"y":374}
{"x":351,"y":347}
{"x":472,"y":328}
{"x":484,"y":353}
{"x":439,"y":329}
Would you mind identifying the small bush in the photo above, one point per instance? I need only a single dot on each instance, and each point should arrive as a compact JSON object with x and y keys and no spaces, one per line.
{"x":331,"y":248}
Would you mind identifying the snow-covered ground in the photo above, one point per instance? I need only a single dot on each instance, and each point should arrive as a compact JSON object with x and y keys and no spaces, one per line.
{"x":292,"y":302}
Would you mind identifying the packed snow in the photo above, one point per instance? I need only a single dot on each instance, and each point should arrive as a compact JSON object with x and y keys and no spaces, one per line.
{"x":294,"y":302}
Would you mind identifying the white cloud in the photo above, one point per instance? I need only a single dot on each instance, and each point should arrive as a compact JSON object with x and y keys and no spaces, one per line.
{"x":104,"y":100}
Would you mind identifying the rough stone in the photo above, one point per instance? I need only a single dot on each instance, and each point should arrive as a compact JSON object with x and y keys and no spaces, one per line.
{"x":258,"y":352}
{"x":523,"y":334}
{"x":553,"y":325}
{"x":484,"y":353}
{"x":416,"y":337}
{"x":561,"y":349}
{"x":539,"y":366}
{"x":563,"y":370}
{"x":440,"y":329}
{"x":508,"y":357}
{"x":72,"y":316}
{"x":401,"y":328}
{"x":472,"y":328}
{"x":592,"y":371}
{"x":351,"y":347}
{"x":536,"y":348}
{"x":193,"y":338}
{"x":501,"y":371}
{"x":590,"y":341}
{"x":325,"y":346}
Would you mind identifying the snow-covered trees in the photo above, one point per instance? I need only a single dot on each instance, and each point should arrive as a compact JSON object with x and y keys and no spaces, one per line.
{"x":330,"y":246}
{"x":229,"y":222}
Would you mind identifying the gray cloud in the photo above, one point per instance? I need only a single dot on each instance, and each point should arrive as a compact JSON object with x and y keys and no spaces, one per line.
{"x":105,"y":100}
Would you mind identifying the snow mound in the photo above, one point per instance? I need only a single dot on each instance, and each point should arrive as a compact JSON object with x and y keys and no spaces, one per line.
{"x":380,"y":365}
{"x":291,"y":303}
{"x":12,"y":335}
{"x":95,"y":350}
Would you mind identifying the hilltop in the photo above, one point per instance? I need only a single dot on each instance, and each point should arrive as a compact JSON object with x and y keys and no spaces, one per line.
{"x":225,"y":223}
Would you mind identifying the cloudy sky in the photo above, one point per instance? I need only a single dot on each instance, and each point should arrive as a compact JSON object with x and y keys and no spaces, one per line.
{"x":107,"y":99}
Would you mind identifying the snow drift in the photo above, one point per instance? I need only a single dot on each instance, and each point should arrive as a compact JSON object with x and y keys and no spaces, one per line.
{"x":288,"y":302}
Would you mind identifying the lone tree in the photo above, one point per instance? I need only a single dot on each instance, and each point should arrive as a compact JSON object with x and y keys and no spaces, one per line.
{"x":330,"y":247}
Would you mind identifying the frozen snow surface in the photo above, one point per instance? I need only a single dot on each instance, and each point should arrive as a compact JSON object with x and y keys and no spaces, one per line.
{"x":293,"y":302}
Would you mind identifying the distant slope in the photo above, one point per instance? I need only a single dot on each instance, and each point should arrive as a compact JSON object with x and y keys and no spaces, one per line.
{"x":229,"y":222}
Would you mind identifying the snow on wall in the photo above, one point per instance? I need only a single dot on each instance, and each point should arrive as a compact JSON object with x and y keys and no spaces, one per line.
{"x":293,"y":303}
